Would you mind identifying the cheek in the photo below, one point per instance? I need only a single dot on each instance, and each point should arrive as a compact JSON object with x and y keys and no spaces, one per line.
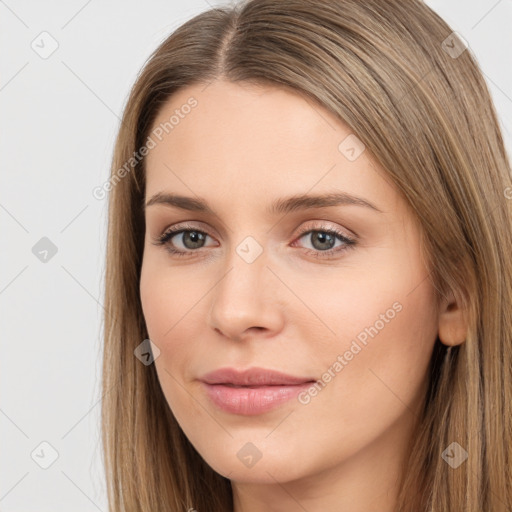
{"x":173,"y":304}
{"x":167,"y":304}
{"x":385,"y":341}
{"x":383,"y":324}
{"x":166,"y":297}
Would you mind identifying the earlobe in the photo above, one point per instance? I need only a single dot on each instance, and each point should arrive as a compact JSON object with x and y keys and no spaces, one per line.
{"x":452,"y":322}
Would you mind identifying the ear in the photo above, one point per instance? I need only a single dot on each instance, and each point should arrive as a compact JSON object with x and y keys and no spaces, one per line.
{"x":452,"y":322}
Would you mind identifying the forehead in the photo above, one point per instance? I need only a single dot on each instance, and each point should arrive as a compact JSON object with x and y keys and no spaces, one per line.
{"x":260,"y":141}
{"x":230,"y":114}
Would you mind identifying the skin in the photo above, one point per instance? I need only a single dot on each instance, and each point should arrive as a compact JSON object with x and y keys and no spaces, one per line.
{"x":240,"y":148}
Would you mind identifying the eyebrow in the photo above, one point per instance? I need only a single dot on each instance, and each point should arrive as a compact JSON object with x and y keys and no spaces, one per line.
{"x":280,"y":206}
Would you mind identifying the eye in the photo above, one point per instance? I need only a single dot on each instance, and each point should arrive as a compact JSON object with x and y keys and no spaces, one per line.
{"x":323,"y":241}
{"x":322,"y":238}
{"x":191,"y":239}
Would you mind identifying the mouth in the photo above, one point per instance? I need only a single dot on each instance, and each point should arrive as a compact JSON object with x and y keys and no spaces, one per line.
{"x":253,"y":377}
{"x":251,"y":392}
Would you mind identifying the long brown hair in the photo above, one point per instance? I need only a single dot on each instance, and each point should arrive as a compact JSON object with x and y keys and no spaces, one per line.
{"x":394,"y":72}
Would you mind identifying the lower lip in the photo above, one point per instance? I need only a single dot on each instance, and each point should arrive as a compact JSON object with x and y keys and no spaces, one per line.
{"x":250,"y":401}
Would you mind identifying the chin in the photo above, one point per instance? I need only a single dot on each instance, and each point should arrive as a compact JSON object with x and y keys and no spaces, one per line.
{"x":266,"y":470}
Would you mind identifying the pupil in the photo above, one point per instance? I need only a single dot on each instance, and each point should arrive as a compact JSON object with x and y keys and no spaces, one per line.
{"x":323,"y":238}
{"x":196,"y":238}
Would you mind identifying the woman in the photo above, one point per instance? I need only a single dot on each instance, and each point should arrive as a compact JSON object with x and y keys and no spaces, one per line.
{"x":308,"y":283}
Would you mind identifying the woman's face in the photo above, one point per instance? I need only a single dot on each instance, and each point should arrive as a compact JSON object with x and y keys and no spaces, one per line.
{"x":279,"y":288}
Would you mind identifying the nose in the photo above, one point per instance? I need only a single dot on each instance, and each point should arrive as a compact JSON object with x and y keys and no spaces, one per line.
{"x":247,"y":301}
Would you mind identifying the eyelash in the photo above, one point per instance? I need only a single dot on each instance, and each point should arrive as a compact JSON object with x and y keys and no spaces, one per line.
{"x":164,"y":239}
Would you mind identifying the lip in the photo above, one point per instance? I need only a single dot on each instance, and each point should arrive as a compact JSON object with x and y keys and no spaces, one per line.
{"x":253,"y":391}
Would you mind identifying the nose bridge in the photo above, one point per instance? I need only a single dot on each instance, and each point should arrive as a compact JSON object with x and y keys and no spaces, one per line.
{"x":244,"y":297}
{"x":247,"y":272}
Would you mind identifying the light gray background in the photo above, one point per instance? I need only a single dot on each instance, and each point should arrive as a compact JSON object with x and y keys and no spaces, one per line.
{"x":59,"y":119}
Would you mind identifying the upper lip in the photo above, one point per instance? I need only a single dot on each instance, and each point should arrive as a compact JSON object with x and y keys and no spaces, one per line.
{"x":252,"y":377}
